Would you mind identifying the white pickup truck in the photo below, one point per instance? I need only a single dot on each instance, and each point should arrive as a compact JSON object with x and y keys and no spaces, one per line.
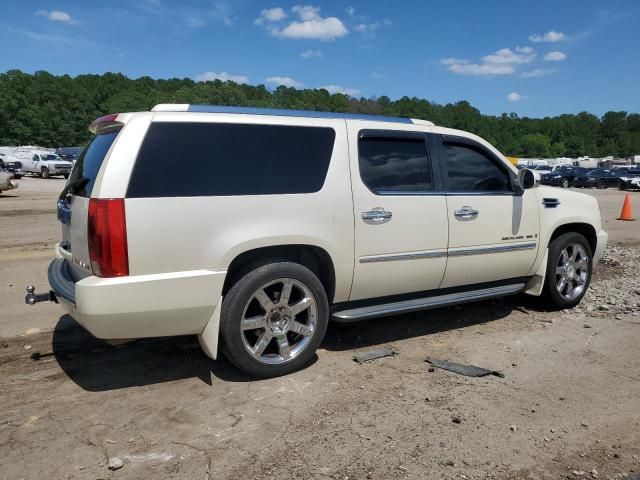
{"x":44,"y":164}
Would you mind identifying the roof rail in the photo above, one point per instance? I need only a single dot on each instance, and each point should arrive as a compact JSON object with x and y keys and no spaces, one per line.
{"x":186,"y":107}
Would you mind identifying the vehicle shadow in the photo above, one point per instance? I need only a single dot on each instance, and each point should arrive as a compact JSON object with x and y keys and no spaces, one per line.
{"x":96,"y":366}
{"x":348,"y":336}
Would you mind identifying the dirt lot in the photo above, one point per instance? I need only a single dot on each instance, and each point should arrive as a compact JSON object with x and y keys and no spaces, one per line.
{"x":568,"y":406}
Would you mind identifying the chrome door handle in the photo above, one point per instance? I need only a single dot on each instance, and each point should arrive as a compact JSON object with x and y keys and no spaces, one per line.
{"x":377,"y":215}
{"x":466,"y":213}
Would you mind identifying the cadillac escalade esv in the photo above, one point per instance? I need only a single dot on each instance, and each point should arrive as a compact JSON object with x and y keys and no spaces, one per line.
{"x":281,"y":219}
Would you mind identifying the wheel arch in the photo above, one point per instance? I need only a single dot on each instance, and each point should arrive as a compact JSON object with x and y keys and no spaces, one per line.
{"x":585,"y":229}
{"x":315,"y":258}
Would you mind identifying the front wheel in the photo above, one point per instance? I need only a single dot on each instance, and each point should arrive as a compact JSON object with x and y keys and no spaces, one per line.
{"x":568,"y":270}
{"x":565,"y":183}
{"x":273,"y":319}
{"x":44,"y":173}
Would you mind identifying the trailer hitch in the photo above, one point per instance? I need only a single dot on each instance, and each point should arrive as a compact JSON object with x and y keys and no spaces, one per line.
{"x":31,"y":298}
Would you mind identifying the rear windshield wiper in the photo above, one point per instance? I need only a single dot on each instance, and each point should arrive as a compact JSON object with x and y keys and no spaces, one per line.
{"x":73,"y":187}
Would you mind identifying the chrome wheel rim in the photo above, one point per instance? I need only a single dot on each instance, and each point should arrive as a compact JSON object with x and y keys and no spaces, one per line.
{"x":572,"y":271}
{"x":279,"y":321}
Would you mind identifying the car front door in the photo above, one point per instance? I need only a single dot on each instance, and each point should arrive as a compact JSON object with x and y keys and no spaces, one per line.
{"x":400,"y":213}
{"x":493,"y":232}
{"x":34,"y":162}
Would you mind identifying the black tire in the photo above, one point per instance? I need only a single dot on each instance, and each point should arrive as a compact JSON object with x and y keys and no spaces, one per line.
{"x":564,"y":183}
{"x":241,"y":294}
{"x":551,"y":293}
{"x":621,"y":186}
{"x":44,"y":172}
{"x":600,"y":184}
{"x":65,"y":175}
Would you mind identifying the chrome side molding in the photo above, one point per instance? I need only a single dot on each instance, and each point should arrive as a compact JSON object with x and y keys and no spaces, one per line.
{"x":406,"y":306}
{"x":403,"y":256}
{"x":510,"y":247}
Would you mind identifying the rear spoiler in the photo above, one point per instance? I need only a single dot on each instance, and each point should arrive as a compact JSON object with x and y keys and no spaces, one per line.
{"x":106,"y":122}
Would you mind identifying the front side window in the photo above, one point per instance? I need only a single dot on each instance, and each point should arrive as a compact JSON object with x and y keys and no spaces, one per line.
{"x":394,"y":165}
{"x":470,"y":170}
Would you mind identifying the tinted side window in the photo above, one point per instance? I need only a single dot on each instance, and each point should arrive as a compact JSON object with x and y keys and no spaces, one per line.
{"x":394,"y":165}
{"x":202,"y":159}
{"x":469,"y":170}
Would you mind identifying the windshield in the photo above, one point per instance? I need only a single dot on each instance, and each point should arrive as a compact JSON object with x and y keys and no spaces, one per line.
{"x":50,"y":157}
{"x":543,"y":167}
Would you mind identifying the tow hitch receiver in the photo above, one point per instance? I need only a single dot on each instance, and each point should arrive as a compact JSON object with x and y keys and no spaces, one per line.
{"x":31,"y":298}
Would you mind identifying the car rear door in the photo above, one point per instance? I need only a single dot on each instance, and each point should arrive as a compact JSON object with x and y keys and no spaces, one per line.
{"x":400,"y":212}
{"x":493,"y":233}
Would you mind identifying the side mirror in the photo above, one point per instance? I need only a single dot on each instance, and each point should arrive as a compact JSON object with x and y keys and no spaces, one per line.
{"x":526,"y":179}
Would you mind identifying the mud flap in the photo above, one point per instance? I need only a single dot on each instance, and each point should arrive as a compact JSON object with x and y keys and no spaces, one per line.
{"x":536,"y":284}
{"x":209,"y":337}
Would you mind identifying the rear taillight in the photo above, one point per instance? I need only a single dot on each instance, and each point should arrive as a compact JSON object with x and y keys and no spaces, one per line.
{"x":107,"y":230}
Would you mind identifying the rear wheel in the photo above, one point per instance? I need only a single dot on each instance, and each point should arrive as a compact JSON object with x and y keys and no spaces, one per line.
{"x":44,"y":172}
{"x":568,"y":270}
{"x":273,"y":319}
{"x":601,"y":184}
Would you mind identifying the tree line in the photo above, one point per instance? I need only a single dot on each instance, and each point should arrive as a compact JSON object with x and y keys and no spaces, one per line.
{"x":51,"y":110}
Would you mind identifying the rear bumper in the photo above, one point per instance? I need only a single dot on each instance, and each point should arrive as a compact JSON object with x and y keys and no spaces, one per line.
{"x":177,"y":303}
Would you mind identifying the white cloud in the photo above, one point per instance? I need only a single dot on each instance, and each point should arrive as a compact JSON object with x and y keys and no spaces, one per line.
{"x":549,"y":37}
{"x":515,"y":97}
{"x":352,"y":92}
{"x":538,"y":72}
{"x":285,"y":81}
{"x":311,"y":53}
{"x":222,"y":76}
{"x":56,"y":16}
{"x":310,"y":24}
{"x":555,"y":56}
{"x":501,"y":62}
{"x":269,"y":15}
{"x":350,"y":10}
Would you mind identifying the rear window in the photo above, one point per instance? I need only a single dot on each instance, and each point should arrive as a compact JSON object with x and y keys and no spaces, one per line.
{"x":86,"y":169}
{"x":210,"y":159}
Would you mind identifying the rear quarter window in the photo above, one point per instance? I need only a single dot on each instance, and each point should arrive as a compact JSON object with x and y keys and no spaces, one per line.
{"x":209,"y":159}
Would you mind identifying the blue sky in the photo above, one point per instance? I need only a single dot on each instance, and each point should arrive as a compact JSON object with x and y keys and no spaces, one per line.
{"x":533,"y":58}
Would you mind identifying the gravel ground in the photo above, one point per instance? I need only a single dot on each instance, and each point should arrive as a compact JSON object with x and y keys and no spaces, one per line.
{"x":74,"y":407}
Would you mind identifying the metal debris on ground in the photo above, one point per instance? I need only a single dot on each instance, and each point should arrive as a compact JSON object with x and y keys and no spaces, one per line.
{"x":373,"y":354}
{"x":468,"y":370}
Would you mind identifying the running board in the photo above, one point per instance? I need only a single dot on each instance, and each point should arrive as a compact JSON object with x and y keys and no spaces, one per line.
{"x":382,"y":310}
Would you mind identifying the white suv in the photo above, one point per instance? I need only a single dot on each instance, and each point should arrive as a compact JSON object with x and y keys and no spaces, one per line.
{"x":290,"y":218}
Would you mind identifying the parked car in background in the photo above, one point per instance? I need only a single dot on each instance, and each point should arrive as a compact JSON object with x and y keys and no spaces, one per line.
{"x":295,"y":217}
{"x":563,"y":176}
{"x":70,"y":154}
{"x":11,"y":164}
{"x":598,"y":178}
{"x":539,"y":170}
{"x":7,"y":181}
{"x":46,"y":164}
{"x":630,"y":180}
